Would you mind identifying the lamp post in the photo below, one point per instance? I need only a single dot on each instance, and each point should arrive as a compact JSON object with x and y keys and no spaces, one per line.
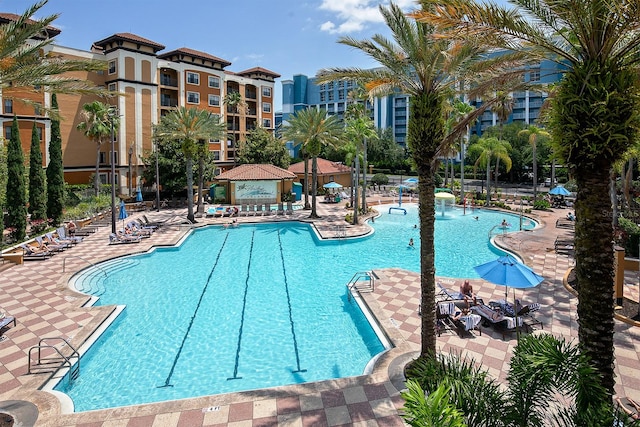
{"x":112,"y":114}
{"x":130,"y":175}
{"x":157,"y":179}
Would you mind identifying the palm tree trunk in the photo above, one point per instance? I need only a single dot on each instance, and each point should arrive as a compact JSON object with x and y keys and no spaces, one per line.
{"x":357,"y":187}
{"x":314,"y":189}
{"x":488,"y":200}
{"x":497,"y":172}
{"x":426,"y":189}
{"x":200,"y":184}
{"x":306,"y":182}
{"x":364,"y":177}
{"x":535,"y":172}
{"x":96,"y":178}
{"x":594,"y":270}
{"x":189,"y":162}
{"x":628,"y":177}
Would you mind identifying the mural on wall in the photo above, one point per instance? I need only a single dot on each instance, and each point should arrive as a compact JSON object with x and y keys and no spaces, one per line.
{"x":257,"y":190}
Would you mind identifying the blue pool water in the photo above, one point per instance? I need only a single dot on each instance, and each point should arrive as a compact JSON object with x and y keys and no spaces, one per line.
{"x":252,"y":307}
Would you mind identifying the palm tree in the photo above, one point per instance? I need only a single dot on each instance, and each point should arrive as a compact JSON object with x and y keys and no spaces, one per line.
{"x":487,"y":149}
{"x":358,"y":128}
{"x":189,"y":126}
{"x":96,"y":125}
{"x":502,"y":109}
{"x":313,"y":129}
{"x":593,"y":119}
{"x":233,"y":100}
{"x":534,"y":132}
{"x":25,"y":64}
{"x":458,"y":112}
{"x":545,"y":376}
{"x":426,"y":69}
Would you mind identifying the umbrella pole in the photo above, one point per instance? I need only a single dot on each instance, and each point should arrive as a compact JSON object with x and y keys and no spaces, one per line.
{"x":515,"y":311}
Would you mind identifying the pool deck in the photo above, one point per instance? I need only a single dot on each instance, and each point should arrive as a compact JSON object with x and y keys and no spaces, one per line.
{"x":36,"y":293}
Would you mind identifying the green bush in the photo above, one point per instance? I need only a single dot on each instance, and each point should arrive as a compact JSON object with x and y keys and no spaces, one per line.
{"x":628,"y":236}
{"x":542,"y":205}
{"x":379,"y":179}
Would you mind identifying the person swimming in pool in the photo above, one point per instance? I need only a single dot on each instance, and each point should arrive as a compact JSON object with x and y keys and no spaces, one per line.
{"x":411,"y":242}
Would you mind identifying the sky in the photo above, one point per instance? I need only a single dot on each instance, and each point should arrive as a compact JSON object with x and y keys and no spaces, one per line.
{"x":288,"y":37}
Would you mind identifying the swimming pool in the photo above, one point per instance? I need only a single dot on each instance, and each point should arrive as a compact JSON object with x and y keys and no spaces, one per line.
{"x":250,"y":307}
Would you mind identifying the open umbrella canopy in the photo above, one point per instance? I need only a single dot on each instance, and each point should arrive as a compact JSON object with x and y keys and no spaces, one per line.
{"x":138,"y":195}
{"x":332,"y":184}
{"x":411,"y":180}
{"x":508,"y":271}
{"x":559,"y":191}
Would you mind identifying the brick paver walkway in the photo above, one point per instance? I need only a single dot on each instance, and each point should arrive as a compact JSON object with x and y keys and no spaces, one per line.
{"x":37,"y":294}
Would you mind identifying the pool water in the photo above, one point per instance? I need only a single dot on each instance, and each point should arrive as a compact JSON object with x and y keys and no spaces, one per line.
{"x":252,"y":307}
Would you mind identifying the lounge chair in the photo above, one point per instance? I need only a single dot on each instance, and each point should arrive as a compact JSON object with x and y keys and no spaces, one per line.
{"x":50,"y":246}
{"x":148,"y":223}
{"x":34,"y":252}
{"x":445,"y":294}
{"x":259,"y":209}
{"x":446,"y":316}
{"x":251,"y":210}
{"x":115,"y":239}
{"x":63,"y":235}
{"x":280,"y":210}
{"x":496,"y":318}
{"x":267,"y":209}
{"x":289,"y":210}
{"x":55,"y":239}
{"x":6,"y":321}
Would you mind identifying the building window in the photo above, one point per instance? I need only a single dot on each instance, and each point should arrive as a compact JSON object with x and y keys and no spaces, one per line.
{"x":214,"y":81}
{"x":37,"y":110}
{"x":7,"y":133}
{"x":266,"y":107}
{"x":112,"y":67}
{"x":330,"y":86}
{"x":534,"y":76}
{"x":193,"y":78}
{"x":39,"y":133}
{"x":216,"y":155}
{"x":266,"y":123}
{"x":341,"y":95}
{"x":8,"y":106}
{"x":331,"y":96}
{"x":214,"y":100}
{"x":323,"y":97}
{"x":193,"y":98}
{"x":113,"y":87}
{"x":266,"y":91}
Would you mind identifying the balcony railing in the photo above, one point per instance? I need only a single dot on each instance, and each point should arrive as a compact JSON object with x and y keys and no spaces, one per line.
{"x":251,"y":94}
{"x":168,"y":81}
{"x":168,"y":102}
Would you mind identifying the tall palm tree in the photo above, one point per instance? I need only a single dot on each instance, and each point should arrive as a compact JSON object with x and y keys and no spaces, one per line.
{"x":313,"y":129}
{"x":234,"y":101}
{"x":594,"y":120}
{"x":219,"y":129}
{"x":487,"y":149}
{"x":358,"y":128}
{"x":426,"y":69}
{"x":502,"y":109}
{"x":96,"y":125}
{"x":533,"y":133}
{"x":189,"y":125}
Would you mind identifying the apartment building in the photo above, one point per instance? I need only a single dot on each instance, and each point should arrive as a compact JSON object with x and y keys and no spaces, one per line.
{"x":393,"y":111}
{"x":151,"y":82}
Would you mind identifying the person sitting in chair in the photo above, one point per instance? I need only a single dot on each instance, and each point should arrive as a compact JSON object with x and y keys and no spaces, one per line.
{"x":466,"y":290}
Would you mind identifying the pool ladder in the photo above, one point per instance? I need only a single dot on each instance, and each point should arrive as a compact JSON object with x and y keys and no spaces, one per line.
{"x":340,"y":231}
{"x":362,"y":281}
{"x":54,"y":362}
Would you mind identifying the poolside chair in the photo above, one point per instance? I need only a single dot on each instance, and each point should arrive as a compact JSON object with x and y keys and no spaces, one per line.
{"x":445,"y":294}
{"x":446,"y":317}
{"x":6,"y":321}
{"x":251,"y":210}
{"x":497,"y":319}
{"x":50,"y":246}
{"x":33,"y":252}
{"x":267,"y":209}
{"x":289,"y":210}
{"x":56,"y":240}
{"x":63,"y":235}
{"x":259,"y":210}
{"x":115,"y":239}
{"x":280,"y":210}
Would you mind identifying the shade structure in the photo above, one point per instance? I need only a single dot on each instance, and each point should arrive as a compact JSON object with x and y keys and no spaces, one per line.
{"x":559,"y":191}
{"x":443,"y":195}
{"x":332,"y":184}
{"x":508,"y":271}
{"x":138,"y":195}
{"x":123,"y":212}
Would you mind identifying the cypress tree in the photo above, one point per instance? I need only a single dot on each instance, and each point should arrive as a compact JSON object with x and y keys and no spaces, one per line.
{"x":3,"y":187}
{"x":16,"y":191}
{"x":37,"y":194}
{"x":55,"y":170}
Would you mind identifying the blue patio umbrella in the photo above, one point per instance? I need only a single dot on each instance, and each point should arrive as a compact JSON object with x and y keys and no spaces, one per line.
{"x":138,"y":195}
{"x":332,"y":184}
{"x":123,"y":212}
{"x":411,"y":181}
{"x":559,"y":191}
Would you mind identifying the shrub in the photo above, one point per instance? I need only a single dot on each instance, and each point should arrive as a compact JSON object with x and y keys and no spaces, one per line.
{"x":542,"y":205}
{"x":628,"y":236}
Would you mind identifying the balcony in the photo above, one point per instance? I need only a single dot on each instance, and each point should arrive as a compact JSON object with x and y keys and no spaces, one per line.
{"x":251,"y":94}
{"x":168,"y":102}
{"x":168,"y":81}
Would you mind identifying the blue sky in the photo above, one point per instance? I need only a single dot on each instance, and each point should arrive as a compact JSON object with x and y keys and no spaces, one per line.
{"x":285,"y":36}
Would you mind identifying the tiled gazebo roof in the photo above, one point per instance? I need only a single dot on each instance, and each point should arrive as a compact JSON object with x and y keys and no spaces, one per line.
{"x":325,"y":167}
{"x":255,"y":172}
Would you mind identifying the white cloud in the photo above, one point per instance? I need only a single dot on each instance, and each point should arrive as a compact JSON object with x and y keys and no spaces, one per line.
{"x":355,"y":15}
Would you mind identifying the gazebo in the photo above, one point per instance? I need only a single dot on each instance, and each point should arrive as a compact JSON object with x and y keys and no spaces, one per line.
{"x":255,"y":183}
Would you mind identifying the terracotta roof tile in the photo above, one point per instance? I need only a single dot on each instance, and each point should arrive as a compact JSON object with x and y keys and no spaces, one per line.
{"x":132,"y":38}
{"x":6,"y":17}
{"x":255,"y":172}
{"x":258,"y":70}
{"x":325,"y":167}
{"x":195,"y":54}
